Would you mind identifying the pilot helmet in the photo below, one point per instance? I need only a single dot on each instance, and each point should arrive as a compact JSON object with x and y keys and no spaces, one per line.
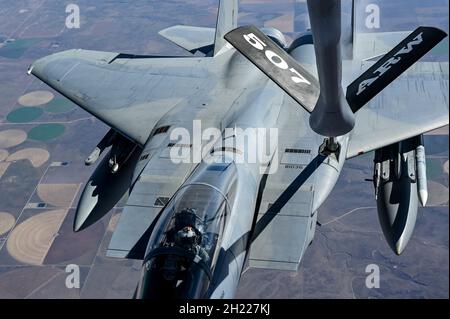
{"x":186,"y":217}
{"x":187,"y":228}
{"x":186,"y":237}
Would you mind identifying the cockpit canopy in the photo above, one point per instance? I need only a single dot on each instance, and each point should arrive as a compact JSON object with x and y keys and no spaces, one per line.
{"x":193,"y":220}
{"x":185,"y":244}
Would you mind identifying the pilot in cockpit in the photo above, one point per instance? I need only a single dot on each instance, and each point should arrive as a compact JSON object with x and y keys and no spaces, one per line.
{"x":186,"y":233}
{"x":189,"y":233}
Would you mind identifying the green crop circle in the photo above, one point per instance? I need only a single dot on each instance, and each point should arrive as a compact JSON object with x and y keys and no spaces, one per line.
{"x":46,"y":132}
{"x":59,"y":106}
{"x":24,"y":114}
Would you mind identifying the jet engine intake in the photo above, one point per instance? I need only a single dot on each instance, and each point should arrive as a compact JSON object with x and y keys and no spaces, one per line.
{"x":276,"y":35}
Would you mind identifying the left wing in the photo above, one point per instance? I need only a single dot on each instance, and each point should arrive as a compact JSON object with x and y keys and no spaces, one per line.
{"x":415,"y":103}
{"x":127,"y":92}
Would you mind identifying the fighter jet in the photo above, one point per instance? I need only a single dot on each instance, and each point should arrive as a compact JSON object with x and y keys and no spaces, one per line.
{"x":196,"y":224}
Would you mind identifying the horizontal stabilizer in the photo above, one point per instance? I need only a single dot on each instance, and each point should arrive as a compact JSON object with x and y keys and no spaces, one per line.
{"x":190,"y":38}
{"x":392,"y":65}
{"x":277,"y":64}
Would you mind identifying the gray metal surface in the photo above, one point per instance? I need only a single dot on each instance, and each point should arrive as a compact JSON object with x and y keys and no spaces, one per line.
{"x":415,"y":103}
{"x":188,"y":37}
{"x":156,"y":184}
{"x":283,"y":242}
{"x":227,"y":17}
{"x":115,"y":89}
{"x":397,"y":193}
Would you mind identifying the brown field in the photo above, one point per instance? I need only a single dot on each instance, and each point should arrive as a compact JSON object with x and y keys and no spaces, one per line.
{"x":36,"y":156}
{"x":10,"y":138}
{"x":7,"y":221}
{"x":59,"y":195}
{"x":30,"y":241}
{"x":36,"y":98}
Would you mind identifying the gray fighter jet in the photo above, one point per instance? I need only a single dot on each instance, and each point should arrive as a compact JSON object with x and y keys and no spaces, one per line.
{"x":195,"y":224}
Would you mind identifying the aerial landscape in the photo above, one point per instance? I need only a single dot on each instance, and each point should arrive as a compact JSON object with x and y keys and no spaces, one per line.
{"x":45,"y":139}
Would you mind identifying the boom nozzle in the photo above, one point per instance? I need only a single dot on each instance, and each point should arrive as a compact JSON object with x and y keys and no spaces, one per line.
{"x":332,"y":115}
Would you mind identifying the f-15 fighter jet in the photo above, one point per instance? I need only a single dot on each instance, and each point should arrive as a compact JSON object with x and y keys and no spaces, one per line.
{"x":197,"y":211}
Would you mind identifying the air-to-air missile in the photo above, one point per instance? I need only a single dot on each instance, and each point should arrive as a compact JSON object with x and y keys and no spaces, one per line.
{"x":421,"y":171}
{"x":400,"y":182}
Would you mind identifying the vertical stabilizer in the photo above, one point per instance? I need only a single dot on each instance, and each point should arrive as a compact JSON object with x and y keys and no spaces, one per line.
{"x":226,"y":21}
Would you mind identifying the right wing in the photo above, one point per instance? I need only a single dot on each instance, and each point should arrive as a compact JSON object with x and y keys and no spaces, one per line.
{"x":367,"y":46}
{"x":415,"y":103}
{"x":392,"y":65}
{"x":129,"y":93}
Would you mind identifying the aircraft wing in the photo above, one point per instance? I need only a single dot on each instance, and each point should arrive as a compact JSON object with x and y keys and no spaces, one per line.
{"x":129,"y":93}
{"x":415,"y":103}
{"x":374,"y":44}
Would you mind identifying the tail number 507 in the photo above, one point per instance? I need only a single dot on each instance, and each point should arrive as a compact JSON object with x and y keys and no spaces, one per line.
{"x":274,"y":58}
